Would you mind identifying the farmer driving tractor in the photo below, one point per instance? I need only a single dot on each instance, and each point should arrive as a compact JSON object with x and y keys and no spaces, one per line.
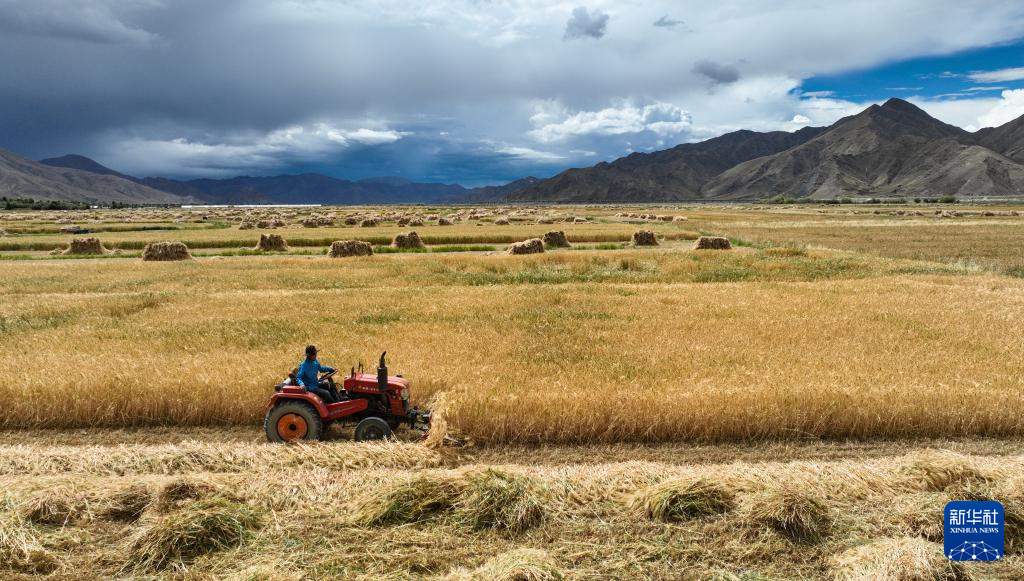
{"x":308,"y":376}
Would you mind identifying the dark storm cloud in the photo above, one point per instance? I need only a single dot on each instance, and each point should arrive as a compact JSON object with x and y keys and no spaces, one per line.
{"x":586,"y":24}
{"x":182,"y":87}
{"x":666,"y":22}
{"x":718,"y":73}
{"x":83,"y":20}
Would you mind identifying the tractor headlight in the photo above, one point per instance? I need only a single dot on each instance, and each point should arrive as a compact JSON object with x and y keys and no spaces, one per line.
{"x":405,"y":393}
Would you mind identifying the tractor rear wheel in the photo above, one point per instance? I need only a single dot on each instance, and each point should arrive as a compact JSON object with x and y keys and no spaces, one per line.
{"x":372,"y":429}
{"x":292,"y":421}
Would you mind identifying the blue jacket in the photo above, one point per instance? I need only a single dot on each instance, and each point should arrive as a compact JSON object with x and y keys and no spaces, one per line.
{"x":309,"y":373}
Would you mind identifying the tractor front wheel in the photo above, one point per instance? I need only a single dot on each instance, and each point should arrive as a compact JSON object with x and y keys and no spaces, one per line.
{"x":292,"y":421}
{"x":372,"y":429}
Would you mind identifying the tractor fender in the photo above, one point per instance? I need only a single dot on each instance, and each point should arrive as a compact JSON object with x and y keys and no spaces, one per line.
{"x":303,"y":395}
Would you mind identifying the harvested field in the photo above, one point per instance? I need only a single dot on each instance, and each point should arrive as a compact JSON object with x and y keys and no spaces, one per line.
{"x":794,"y":408}
{"x":571,"y":520}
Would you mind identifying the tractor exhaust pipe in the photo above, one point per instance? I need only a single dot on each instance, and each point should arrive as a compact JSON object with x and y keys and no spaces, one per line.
{"x":382,"y":374}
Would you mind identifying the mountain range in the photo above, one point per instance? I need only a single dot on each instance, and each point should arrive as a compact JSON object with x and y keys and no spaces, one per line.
{"x":894,"y":149}
{"x":889,"y":150}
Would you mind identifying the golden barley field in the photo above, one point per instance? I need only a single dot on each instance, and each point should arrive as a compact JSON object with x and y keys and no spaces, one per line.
{"x":800,"y":406}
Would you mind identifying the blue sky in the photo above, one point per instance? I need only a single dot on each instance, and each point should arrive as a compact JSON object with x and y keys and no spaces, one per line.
{"x":470,"y":91}
{"x":962,"y":75}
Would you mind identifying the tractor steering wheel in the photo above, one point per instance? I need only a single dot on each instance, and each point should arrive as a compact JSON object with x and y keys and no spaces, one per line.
{"x":327,"y":376}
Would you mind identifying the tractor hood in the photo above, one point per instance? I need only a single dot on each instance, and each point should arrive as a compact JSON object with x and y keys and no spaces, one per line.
{"x":369,"y":380}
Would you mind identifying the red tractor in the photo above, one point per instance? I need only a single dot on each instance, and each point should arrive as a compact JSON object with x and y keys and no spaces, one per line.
{"x":376,"y":404}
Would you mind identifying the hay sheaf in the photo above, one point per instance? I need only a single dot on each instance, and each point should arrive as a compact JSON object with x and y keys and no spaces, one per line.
{"x":343,"y":248}
{"x":936,"y":470}
{"x":20,"y":549}
{"x":683,"y":499}
{"x":271,"y":243}
{"x":190,"y":531}
{"x":408,"y":240}
{"x":501,"y":500}
{"x":531,"y":246}
{"x":644,"y":238}
{"x":127,"y":504}
{"x":58,"y":507}
{"x":408,"y":500}
{"x":515,"y":565}
{"x":556,"y":239}
{"x":178,"y":492}
{"x":86,"y":246}
{"x":898,"y":560}
{"x":166,"y":251}
{"x":712,"y":243}
{"x":791,"y":511}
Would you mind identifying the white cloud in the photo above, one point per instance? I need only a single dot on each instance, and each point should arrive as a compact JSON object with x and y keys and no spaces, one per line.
{"x":1010,"y":107}
{"x":529,"y":154}
{"x":976,"y":113}
{"x":997,"y":76}
{"x":233,"y":154}
{"x":659,"y":118}
{"x":800,"y":119}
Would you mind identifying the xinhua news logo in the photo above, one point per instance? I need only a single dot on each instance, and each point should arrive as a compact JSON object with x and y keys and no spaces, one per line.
{"x":974,"y":531}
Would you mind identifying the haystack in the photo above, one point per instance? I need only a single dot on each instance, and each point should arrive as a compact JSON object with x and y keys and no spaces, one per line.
{"x":246,"y":225}
{"x":791,"y":511}
{"x":531,"y":246}
{"x":501,"y":222}
{"x":166,"y":251}
{"x":514,"y":565}
{"x":898,"y":559}
{"x":556,"y":239}
{"x":311,"y":223}
{"x":679,"y":219}
{"x":415,"y":222}
{"x":368,"y":223}
{"x":644,"y":238}
{"x":197,"y":528}
{"x":683,"y":499}
{"x":86,"y":246}
{"x":343,"y":248}
{"x":444,"y":222}
{"x":712,"y":243}
{"x":496,"y":499}
{"x":272,"y":243}
{"x":408,"y":240}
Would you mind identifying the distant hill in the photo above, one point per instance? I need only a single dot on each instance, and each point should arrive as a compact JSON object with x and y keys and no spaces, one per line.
{"x":24,"y":178}
{"x":892,"y":149}
{"x":895,"y":149}
{"x":676,"y":174}
{"x":308,"y":188}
